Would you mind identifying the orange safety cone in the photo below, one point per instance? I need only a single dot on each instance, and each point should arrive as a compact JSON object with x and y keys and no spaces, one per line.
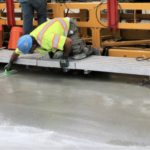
{"x":16,"y":33}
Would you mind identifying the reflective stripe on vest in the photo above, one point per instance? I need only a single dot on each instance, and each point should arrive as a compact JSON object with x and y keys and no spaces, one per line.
{"x":18,"y":51}
{"x":41,"y":33}
{"x":64,"y":25}
{"x":55,"y":41}
{"x":37,"y":51}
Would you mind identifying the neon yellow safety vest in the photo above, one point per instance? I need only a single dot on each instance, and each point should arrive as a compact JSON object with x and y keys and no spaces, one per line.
{"x":50,"y":35}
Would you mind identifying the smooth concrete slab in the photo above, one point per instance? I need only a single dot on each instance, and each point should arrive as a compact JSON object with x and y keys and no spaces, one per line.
{"x":115,"y":65}
{"x":56,"y":110}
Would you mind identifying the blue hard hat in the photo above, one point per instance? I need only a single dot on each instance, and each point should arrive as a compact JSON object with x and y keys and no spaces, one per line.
{"x":24,"y":44}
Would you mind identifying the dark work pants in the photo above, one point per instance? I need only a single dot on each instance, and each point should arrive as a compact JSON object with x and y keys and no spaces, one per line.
{"x":28,"y":12}
{"x":77,"y":45}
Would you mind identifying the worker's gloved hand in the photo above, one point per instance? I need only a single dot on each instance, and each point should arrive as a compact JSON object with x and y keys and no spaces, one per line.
{"x":8,"y":66}
{"x":64,"y":62}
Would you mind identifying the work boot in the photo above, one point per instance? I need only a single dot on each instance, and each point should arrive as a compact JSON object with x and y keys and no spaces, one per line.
{"x":50,"y":55}
{"x":96,"y":51}
{"x":79,"y":56}
{"x":56,"y":55}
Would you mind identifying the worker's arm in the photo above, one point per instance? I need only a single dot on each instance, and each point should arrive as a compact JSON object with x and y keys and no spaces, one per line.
{"x":67,"y":47}
{"x":13,"y":58}
{"x":64,"y":62}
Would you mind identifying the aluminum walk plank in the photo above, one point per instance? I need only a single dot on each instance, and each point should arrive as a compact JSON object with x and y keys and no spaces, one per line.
{"x":22,"y":60}
{"x":54,"y":63}
{"x":35,"y":59}
{"x":115,"y":65}
{"x":92,"y":63}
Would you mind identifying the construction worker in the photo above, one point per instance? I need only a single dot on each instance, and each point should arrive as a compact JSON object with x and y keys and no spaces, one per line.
{"x":58,"y":37}
{"x":28,"y":7}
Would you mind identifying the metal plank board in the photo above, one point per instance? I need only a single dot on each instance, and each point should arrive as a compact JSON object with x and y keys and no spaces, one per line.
{"x":28,"y":59}
{"x":114,"y":64}
{"x":54,"y":63}
{"x":118,"y":61}
{"x":92,"y":63}
{"x":20,"y":61}
{"x":5,"y":55}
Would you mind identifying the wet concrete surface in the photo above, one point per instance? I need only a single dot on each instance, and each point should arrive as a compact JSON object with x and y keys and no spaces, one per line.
{"x":42,"y":109}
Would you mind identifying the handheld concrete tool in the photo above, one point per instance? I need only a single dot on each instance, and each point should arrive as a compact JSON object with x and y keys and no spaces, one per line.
{"x":8,"y":72}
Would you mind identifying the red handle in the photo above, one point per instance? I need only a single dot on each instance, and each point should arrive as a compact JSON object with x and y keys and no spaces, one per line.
{"x":10,"y":13}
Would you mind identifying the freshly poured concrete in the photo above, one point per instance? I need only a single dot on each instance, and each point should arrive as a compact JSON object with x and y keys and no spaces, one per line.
{"x":54,"y":110}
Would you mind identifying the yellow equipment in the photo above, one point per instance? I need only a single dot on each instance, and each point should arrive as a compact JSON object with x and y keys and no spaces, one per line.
{"x":132,"y":39}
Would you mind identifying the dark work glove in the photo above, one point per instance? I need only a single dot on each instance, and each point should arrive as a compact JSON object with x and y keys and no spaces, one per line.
{"x":64,"y":62}
{"x":8,"y":66}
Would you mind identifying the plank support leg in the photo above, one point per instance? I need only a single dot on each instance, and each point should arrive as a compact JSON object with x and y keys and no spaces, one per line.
{"x":47,"y":68}
{"x":86,"y":71}
{"x":27,"y":67}
{"x":65,"y":70}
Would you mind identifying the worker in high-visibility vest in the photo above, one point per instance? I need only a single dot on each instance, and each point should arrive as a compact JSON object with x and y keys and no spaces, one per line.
{"x":28,"y":8}
{"x":58,"y":37}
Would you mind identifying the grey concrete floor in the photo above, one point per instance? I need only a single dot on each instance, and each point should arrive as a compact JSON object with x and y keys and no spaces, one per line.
{"x":54,"y":110}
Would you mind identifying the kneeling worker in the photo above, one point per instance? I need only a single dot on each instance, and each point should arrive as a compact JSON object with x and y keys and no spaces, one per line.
{"x":58,"y":37}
